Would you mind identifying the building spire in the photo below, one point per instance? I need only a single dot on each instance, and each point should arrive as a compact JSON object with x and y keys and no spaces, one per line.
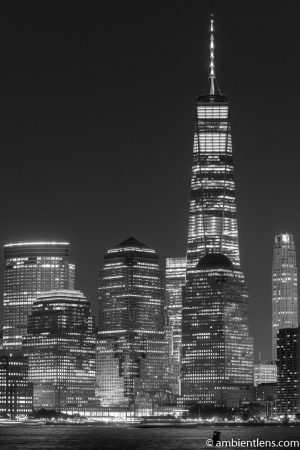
{"x":212,"y":76}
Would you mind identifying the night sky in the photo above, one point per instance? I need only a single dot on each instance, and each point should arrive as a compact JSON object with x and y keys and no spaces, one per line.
{"x":97,"y":111}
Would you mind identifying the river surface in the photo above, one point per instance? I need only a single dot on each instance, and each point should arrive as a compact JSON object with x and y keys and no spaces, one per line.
{"x":112,"y":437}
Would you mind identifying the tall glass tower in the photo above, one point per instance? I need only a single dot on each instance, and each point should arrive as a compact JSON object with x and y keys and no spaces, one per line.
{"x":132,"y":349}
{"x":217,"y":350}
{"x":29,"y":269}
{"x":60,"y":346}
{"x":212,"y":218}
{"x":284,"y":287}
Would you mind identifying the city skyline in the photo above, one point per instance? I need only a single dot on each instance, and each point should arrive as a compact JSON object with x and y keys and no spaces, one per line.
{"x":124,"y":201}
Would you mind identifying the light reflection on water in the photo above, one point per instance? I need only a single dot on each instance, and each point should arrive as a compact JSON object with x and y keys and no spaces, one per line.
{"x":123,"y":438}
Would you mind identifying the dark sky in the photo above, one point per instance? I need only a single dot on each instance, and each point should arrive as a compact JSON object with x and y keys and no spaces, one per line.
{"x":96,"y":127}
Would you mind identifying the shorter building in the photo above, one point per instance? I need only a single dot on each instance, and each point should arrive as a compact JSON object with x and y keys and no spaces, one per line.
{"x":288,"y":352}
{"x":60,"y":345}
{"x":265,"y":372}
{"x":15,"y":390}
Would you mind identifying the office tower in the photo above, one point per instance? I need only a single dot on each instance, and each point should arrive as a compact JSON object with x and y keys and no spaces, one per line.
{"x":217,"y":360}
{"x":284,"y":287}
{"x":265,"y":372}
{"x":60,"y":345}
{"x":175,"y":280}
{"x":288,"y":361}
{"x":29,"y":269}
{"x":212,"y":217}
{"x":15,"y":389}
{"x":132,"y":354}
{"x":217,"y":351}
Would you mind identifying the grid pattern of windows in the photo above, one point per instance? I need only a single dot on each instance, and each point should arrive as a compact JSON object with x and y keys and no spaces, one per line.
{"x":284,"y":287}
{"x":29,"y":269}
{"x":60,"y":345}
{"x":288,"y":357}
{"x":212,"y":217}
{"x":217,"y":354}
{"x":132,"y":351}
{"x":15,"y":388}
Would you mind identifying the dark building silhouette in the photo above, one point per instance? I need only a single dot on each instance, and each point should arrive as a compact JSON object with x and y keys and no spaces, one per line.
{"x":288,"y":354}
{"x":16,"y":392}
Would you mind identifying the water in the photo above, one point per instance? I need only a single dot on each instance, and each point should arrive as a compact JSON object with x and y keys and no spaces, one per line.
{"x":123,"y":438}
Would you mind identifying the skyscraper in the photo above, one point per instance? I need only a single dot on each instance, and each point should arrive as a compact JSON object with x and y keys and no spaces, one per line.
{"x":175,"y":280}
{"x":288,"y":362}
{"x":60,"y":346}
{"x":284,"y":287}
{"x":217,"y":360}
{"x":29,"y":269}
{"x":212,"y":217}
{"x":217,"y":354}
{"x":16,"y":392}
{"x":132,"y":351}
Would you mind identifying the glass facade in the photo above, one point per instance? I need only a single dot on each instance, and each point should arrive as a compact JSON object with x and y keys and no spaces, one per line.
{"x":60,"y":345}
{"x":288,"y":357}
{"x":15,"y":389}
{"x":212,"y":217}
{"x":284,"y":287}
{"x":29,"y":269}
{"x":217,"y":356}
{"x":132,"y":350}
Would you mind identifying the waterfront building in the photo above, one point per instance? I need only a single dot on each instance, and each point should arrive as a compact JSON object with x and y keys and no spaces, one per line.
{"x":217,"y":359}
{"x":16,"y":391}
{"x":60,"y":345}
{"x":284,"y":287}
{"x":288,"y":360}
{"x":29,"y":269}
{"x":265,"y":372}
{"x":217,"y":351}
{"x":132,"y":349}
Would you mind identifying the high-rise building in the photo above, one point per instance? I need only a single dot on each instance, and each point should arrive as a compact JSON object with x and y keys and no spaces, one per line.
{"x":29,"y":269}
{"x":284,"y":287}
{"x":132,"y":350}
{"x":217,"y":351}
{"x":16,"y":391}
{"x":265,"y":372}
{"x":175,"y":280}
{"x":60,"y":345}
{"x":288,"y":362}
{"x":217,"y":360}
{"x":212,"y":217}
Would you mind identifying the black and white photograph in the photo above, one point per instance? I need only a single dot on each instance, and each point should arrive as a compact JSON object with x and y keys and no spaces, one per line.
{"x":150,"y":225}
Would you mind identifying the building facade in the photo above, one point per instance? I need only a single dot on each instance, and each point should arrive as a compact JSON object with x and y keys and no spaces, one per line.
{"x":265,"y":372}
{"x":217,"y":351}
{"x":29,"y":269}
{"x":284,"y":287}
{"x":217,"y":358}
{"x":132,"y":349}
{"x":288,"y":357}
{"x":16,"y":392}
{"x":60,"y":346}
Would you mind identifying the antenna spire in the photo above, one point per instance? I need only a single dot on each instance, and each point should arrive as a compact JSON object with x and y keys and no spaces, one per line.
{"x":212,"y":76}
